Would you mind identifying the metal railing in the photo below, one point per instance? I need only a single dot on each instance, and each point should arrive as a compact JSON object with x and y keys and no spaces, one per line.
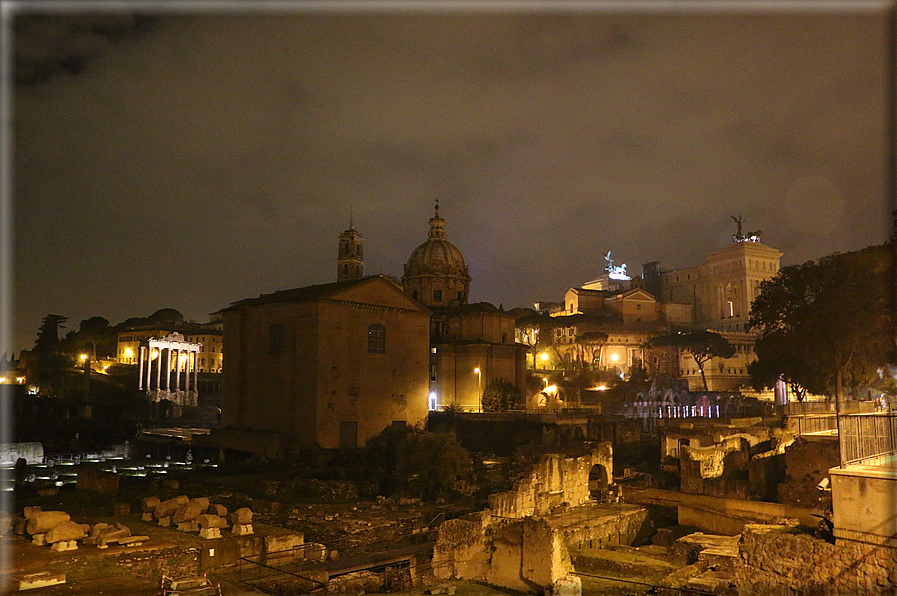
{"x":867,"y":438}
{"x":817,"y":423}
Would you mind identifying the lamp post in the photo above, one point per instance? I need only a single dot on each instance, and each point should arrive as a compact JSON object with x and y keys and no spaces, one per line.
{"x":479,"y":391}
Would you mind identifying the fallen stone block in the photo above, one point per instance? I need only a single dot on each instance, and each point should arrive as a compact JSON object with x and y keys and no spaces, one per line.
{"x":134,"y":540}
{"x":315,"y":552}
{"x":189,"y":526}
{"x":40,"y":579}
{"x":241,"y":516}
{"x":167,"y":508}
{"x":149,"y":504}
{"x":99,"y":528}
{"x":187,"y":512}
{"x":569,"y":585}
{"x":207,"y":520}
{"x":209,"y":533}
{"x":65,"y":532}
{"x":242,"y":529}
{"x":203,"y":502}
{"x":39,"y":539}
{"x":165,"y":521}
{"x":113,"y":535}
{"x":19,"y":527}
{"x":64,"y":545}
{"x":146,"y":516}
{"x":442,"y":589}
{"x":29,"y":511}
{"x":219,"y":510}
{"x":41,"y":521}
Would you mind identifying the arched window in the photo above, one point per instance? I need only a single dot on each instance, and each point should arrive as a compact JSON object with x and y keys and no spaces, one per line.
{"x":377,"y":339}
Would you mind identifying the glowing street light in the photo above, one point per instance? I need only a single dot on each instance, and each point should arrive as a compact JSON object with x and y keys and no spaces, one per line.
{"x":479,"y":382}
{"x":83,"y":357}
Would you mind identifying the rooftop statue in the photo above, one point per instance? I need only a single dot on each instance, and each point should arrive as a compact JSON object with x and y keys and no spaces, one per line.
{"x":741,"y":237}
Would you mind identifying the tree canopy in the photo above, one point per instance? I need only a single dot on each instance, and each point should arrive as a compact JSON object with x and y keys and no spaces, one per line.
{"x":500,"y":395}
{"x":702,"y":345}
{"x":826,"y":325}
{"x":407,"y":459}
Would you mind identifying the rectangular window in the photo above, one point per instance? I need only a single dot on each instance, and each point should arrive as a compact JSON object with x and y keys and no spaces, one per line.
{"x":437,"y":295}
{"x":276,"y":336}
{"x":377,"y":339}
{"x":432,"y":372}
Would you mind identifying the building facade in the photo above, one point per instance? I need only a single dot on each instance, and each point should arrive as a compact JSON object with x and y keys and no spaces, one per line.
{"x":720,"y":293}
{"x":471,"y":345}
{"x":325,"y":366}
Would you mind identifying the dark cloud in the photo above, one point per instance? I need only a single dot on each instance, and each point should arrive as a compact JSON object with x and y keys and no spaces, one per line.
{"x":199,"y":159}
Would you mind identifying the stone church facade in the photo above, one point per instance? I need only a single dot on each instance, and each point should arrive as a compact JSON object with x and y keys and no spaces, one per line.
{"x":325,"y":366}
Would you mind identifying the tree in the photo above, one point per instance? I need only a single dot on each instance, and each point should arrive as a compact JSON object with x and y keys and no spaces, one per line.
{"x":826,"y":325}
{"x":429,"y":464}
{"x":702,"y":345}
{"x":592,"y":341}
{"x":500,"y":395}
{"x":48,"y":334}
{"x":93,"y":332}
{"x":50,"y":364}
{"x":165,"y":315}
{"x":411,"y":460}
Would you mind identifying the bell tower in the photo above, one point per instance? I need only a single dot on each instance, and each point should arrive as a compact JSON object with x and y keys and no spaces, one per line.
{"x":350,"y":259}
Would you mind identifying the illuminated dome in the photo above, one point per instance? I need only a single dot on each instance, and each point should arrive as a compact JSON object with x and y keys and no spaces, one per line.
{"x":436,"y":274}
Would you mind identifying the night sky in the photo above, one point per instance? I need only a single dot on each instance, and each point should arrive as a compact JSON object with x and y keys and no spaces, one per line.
{"x":192,"y":159}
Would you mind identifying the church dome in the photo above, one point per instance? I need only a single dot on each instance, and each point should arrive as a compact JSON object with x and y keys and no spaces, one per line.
{"x":436,"y":273}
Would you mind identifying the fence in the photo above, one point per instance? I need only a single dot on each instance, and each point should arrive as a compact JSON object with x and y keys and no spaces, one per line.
{"x":866,"y":437}
{"x":818,"y":423}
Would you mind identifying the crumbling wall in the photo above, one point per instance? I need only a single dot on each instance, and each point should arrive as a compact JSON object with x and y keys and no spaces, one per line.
{"x":521,"y":554}
{"x":527,"y":555}
{"x":807,"y":462}
{"x":460,"y":549}
{"x":719,"y":470}
{"x":510,"y":544}
{"x":779,"y":560}
{"x":552,"y":482}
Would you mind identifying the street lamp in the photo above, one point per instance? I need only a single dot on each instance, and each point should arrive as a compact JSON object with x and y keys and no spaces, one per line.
{"x":479,"y":381}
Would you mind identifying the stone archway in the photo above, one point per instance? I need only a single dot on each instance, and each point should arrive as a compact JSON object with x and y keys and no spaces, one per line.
{"x":598,"y":482}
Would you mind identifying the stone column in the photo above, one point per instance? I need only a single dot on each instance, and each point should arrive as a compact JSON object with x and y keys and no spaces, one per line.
{"x":149,"y":367}
{"x":158,"y":367}
{"x":140,"y":361}
{"x":196,"y":371}
{"x":177,"y":375}
{"x":167,"y":369}
{"x":187,"y":370}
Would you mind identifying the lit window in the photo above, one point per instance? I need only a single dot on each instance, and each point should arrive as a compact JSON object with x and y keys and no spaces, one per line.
{"x":377,"y":339}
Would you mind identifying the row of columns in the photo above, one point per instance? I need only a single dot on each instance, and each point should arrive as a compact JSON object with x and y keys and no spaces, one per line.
{"x":168,"y":348}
